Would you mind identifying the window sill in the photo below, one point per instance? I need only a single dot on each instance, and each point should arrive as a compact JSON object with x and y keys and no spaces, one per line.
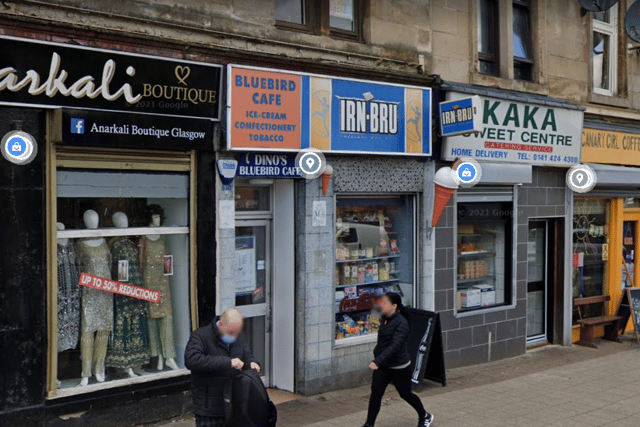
{"x":145,"y":378}
{"x":484,"y":311}
{"x":363,"y":339}
{"x":502,"y":83}
{"x":612,"y":100}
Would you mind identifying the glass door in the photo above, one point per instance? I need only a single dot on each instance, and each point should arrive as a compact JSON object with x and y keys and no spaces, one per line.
{"x":537,"y":282}
{"x":253,"y":287}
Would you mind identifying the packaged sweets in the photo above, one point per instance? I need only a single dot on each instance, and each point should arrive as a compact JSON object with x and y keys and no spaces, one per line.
{"x":375,"y":276}
{"x":346,"y":275}
{"x":361,"y":273}
{"x":369,"y":272}
{"x":369,"y":252}
{"x":354,"y":274}
{"x":394,"y":246}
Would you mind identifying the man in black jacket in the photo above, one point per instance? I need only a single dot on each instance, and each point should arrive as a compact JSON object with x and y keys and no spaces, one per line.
{"x":212,"y":352}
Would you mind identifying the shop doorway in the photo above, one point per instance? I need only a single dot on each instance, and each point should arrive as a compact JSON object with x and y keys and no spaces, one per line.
{"x":543,"y":261}
{"x":253,"y":287}
{"x":264,"y":275}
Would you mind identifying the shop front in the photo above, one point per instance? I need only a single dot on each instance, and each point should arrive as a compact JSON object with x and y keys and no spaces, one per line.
{"x":606,"y":220}
{"x":500,"y":247}
{"x":100,"y":289}
{"x":309,"y":256}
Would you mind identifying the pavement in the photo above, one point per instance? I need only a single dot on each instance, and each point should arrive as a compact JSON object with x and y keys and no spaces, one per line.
{"x":548,"y":386}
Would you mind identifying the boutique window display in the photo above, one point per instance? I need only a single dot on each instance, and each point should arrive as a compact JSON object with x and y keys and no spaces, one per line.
{"x":374,"y":255}
{"x":484,"y":252}
{"x":123,"y":272}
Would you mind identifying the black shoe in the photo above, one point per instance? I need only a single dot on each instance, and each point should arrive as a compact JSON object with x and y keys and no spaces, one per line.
{"x":425,"y":421}
{"x":366,"y":425}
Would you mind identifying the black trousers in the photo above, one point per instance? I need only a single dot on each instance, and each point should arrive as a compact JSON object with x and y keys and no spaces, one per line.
{"x":401,"y":378}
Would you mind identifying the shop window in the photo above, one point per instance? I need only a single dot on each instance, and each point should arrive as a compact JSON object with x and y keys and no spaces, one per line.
{"x":252,"y":198}
{"x":374,"y":255}
{"x":484,"y":255}
{"x":604,"y":51}
{"x":340,"y":18}
{"x":522,"y":46}
{"x":131,"y":231}
{"x":591,"y":252}
{"x":488,"y":53}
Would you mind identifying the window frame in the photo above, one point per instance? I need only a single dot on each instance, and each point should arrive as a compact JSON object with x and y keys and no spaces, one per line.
{"x":495,"y":58}
{"x":609,"y":29}
{"x":518,"y":61}
{"x":100,"y":160}
{"x":318,"y":21}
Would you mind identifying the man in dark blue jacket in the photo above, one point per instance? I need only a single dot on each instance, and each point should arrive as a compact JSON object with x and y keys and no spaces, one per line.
{"x":213,"y":351}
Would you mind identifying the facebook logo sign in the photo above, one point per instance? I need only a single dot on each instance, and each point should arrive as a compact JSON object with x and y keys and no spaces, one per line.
{"x":77,"y":126}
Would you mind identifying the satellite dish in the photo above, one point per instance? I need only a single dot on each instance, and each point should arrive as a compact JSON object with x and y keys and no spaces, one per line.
{"x":632,"y":22}
{"x":597,"y":5}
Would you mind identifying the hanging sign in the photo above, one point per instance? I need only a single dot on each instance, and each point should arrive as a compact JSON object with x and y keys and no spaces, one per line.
{"x":516,"y":132}
{"x":460,"y":116}
{"x":287,"y":111}
{"x":115,"y":287}
{"x":43,"y":73}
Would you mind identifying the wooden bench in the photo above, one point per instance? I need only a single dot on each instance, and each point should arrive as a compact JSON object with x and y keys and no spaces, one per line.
{"x":588,"y":325}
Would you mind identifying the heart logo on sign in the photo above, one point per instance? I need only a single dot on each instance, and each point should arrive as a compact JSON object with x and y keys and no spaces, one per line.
{"x":182,"y":73}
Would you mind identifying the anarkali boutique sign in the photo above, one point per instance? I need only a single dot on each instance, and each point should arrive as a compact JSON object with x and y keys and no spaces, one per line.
{"x":51,"y":74}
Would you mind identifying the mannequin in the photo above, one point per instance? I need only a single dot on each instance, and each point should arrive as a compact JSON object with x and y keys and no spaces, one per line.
{"x":129,"y":345}
{"x":93,"y":257}
{"x":152,"y":251}
{"x":68,"y":296}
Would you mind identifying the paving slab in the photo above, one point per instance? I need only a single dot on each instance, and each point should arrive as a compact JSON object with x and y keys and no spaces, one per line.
{"x":548,"y":386}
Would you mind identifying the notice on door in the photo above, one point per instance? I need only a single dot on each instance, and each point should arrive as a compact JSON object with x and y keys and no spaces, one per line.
{"x":245,"y":264}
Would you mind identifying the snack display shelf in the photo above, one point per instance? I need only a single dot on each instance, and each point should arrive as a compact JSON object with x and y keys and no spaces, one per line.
{"x":475,"y":253}
{"x":480,"y":279}
{"x":367,"y":283}
{"x":368,"y":259}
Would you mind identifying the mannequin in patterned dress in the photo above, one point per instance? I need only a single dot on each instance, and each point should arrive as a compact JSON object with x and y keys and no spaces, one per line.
{"x":93,"y":257}
{"x":129,"y":343}
{"x":68,"y":296}
{"x":152,"y":252}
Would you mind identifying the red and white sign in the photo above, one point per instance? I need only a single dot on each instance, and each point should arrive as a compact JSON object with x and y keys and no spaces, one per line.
{"x":119,"y":288}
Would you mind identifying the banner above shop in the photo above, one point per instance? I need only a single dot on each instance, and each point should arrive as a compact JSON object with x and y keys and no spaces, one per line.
{"x":268,"y":165}
{"x":287,"y":111}
{"x":52,"y":74}
{"x":101,"y":128}
{"x":461,"y":116}
{"x":517,"y":132}
{"x":611,"y":147}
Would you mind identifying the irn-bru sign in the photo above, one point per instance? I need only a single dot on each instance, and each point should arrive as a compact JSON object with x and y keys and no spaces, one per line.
{"x":273,"y":110}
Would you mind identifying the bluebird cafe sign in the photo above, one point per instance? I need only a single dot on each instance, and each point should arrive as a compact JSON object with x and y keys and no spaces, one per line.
{"x":287,"y":111}
{"x":268,"y":165}
{"x":52,"y":74}
{"x":516,"y":132}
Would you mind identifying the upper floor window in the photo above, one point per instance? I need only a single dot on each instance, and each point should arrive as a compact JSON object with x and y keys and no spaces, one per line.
{"x":522,"y":46}
{"x":604,"y":52}
{"x":340,"y":18}
{"x":492,"y":49}
{"x":488,"y":51}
